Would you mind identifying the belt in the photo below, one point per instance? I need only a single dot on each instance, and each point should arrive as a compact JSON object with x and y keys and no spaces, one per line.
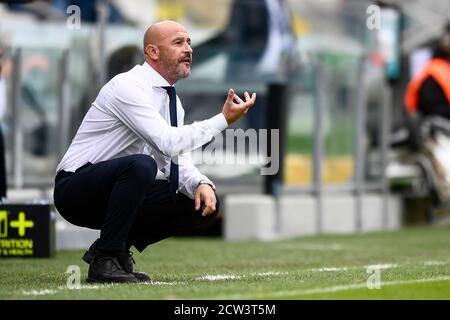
{"x":61,"y":173}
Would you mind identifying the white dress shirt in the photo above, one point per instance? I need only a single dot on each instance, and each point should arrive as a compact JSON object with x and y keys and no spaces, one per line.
{"x":131,"y":116}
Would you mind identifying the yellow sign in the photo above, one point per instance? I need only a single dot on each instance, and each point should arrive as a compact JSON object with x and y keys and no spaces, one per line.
{"x":26,"y":230}
{"x":336,"y":169}
{"x":21,"y":224}
{"x":15,"y":247}
{"x":3,"y":224}
{"x":170,"y":10}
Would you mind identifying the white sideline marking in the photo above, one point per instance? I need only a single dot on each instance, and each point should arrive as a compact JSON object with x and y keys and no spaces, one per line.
{"x":383,"y":266}
{"x":326,"y":269}
{"x":435,"y":263}
{"x":314,"y":247}
{"x":331,"y":289}
{"x":269,"y":273}
{"x":41,"y":292}
{"x":337,"y":269}
{"x":163,"y":283}
{"x":88,"y":287}
{"x":218,"y":277}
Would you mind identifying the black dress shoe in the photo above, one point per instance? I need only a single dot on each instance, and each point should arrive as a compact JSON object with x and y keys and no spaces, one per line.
{"x":108,"y":269}
{"x":125,"y":260}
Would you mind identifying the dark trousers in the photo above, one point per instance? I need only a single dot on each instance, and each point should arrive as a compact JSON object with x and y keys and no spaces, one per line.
{"x":122,"y":198}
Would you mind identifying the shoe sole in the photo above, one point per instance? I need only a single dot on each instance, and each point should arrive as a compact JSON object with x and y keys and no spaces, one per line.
{"x":118,"y":280}
{"x":141,"y":277}
{"x":90,"y":280}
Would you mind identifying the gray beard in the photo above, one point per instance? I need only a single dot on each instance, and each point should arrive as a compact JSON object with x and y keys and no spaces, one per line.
{"x":178,"y":74}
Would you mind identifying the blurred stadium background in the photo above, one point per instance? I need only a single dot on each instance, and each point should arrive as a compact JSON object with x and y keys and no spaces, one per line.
{"x":330,"y":81}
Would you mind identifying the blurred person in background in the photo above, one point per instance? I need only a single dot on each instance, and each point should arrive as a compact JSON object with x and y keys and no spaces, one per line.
{"x":56,"y":10}
{"x":259,"y":47}
{"x":428,"y":97}
{"x":429,"y":92}
{"x":89,"y":9}
{"x":261,"y":42}
{"x":2,"y":142}
{"x":107,"y":178}
{"x":123,"y":60}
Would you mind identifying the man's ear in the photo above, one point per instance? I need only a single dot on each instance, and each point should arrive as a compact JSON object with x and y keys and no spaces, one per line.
{"x":152,"y":51}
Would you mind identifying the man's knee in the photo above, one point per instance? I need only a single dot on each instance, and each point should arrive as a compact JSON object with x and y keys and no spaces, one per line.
{"x":144,"y":168}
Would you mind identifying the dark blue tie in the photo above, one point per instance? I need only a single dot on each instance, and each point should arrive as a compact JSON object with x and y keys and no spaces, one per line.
{"x":173,"y":179}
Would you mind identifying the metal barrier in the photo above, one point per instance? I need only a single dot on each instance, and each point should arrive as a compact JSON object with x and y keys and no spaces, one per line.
{"x":358,"y":186}
{"x":19,"y":178}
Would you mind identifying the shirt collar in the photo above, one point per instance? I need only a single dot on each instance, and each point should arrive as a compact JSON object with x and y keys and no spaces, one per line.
{"x":156,"y":79}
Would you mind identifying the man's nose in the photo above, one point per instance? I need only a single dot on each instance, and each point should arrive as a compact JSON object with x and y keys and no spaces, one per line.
{"x":188,"y":48}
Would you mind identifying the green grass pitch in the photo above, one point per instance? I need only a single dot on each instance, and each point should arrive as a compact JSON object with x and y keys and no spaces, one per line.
{"x":413,"y":263}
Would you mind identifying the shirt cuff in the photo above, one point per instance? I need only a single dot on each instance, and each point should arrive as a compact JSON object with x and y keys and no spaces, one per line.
{"x":197,"y":180}
{"x":218,"y":122}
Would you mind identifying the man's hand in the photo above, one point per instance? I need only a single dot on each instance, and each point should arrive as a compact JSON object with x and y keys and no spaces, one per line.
{"x":205,"y":198}
{"x":234,"y":107}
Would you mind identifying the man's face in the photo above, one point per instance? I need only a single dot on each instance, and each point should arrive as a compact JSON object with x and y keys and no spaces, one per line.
{"x":175,"y":55}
